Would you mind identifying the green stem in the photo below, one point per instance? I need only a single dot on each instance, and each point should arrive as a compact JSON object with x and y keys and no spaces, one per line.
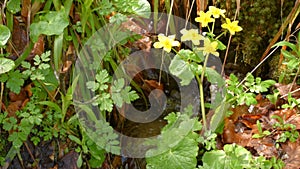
{"x":202,"y":102}
{"x":200,"y":81}
{"x":213,"y":27}
{"x":208,"y":29}
{"x":24,"y":55}
{"x":2,"y":87}
{"x":220,"y":35}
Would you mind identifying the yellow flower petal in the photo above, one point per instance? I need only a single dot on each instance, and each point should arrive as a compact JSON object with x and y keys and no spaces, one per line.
{"x":157,"y":45}
{"x":166,"y":42}
{"x":216,"y":12}
{"x":191,"y":35}
{"x":232,"y":26}
{"x":204,"y":18}
{"x":209,"y":47}
{"x":175,"y":43}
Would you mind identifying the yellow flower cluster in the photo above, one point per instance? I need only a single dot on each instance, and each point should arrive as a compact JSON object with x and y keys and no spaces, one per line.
{"x":210,"y":46}
{"x":167,"y":42}
{"x":213,"y":13}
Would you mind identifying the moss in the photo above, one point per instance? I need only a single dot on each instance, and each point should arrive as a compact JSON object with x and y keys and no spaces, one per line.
{"x":260,"y":20}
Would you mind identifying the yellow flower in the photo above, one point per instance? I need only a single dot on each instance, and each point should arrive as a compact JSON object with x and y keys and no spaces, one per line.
{"x":232,"y":26}
{"x":166,"y":42}
{"x":204,"y":18}
{"x":209,"y":47}
{"x":191,"y":35}
{"x":216,"y":12}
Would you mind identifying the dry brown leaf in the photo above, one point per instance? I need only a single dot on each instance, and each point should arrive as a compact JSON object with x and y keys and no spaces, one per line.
{"x":19,"y":37}
{"x":292,"y":150}
{"x":264,"y":147}
{"x":13,"y":107}
{"x":39,"y":47}
{"x":17,"y":97}
{"x":284,"y":89}
{"x":26,"y":6}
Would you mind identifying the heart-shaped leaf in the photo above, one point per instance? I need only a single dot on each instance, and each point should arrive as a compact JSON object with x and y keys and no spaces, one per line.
{"x":53,"y":23}
{"x":181,"y":69}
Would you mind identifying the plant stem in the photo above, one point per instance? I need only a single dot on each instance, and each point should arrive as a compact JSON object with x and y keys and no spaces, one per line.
{"x":1,"y":95}
{"x":213,"y":27}
{"x":2,"y":87}
{"x":220,"y":35}
{"x":200,"y":81}
{"x":226,"y":54}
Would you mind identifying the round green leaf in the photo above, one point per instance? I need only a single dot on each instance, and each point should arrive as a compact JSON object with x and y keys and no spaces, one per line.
{"x":144,"y":9}
{"x":4,"y":35}
{"x":52,"y":23}
{"x":6,"y":65}
{"x":14,"y":6}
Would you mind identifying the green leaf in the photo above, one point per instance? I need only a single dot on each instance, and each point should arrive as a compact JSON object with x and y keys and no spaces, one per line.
{"x":26,"y":65}
{"x":51,"y":105}
{"x":75,"y":139}
{"x":14,"y":6}
{"x":233,"y":156}
{"x":52,"y":23}
{"x":181,"y":69}
{"x":214,"y":77}
{"x":117,"y":98}
{"x":15,"y":81}
{"x":220,"y":46}
{"x":6,"y":65}
{"x":286,"y":43}
{"x":102,"y":77}
{"x":9,"y":123}
{"x":288,"y":55}
{"x":143,"y":9}
{"x":79,"y":161}
{"x":93,"y":86}
{"x":219,"y":116}
{"x":57,"y":51}
{"x":4,"y":35}
{"x":178,"y":146}
{"x":118,"y":85}
{"x":182,"y":156}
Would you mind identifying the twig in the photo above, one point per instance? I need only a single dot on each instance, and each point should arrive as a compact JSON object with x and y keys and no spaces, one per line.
{"x":260,"y":63}
{"x":189,"y":14}
{"x":31,"y":155}
{"x":292,"y":92}
{"x":229,"y":40}
{"x":226,"y":54}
